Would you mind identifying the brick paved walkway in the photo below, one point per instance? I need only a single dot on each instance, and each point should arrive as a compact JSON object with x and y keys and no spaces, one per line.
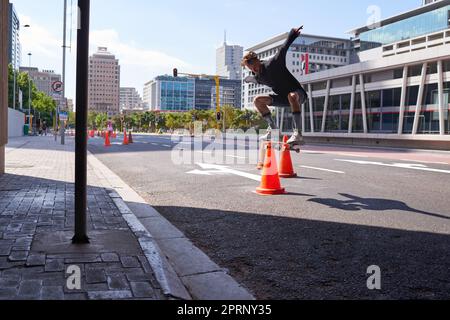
{"x":36,"y":225}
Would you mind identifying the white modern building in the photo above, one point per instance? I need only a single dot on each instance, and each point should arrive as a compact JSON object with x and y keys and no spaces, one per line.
{"x":396,"y":94}
{"x":228,"y":61}
{"x":130,"y":99}
{"x":393,"y":92}
{"x":308,"y":54}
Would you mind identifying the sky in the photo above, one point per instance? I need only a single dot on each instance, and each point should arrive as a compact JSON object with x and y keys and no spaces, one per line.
{"x":151,"y":37}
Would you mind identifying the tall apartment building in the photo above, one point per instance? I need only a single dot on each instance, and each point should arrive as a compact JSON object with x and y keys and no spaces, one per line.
{"x":398,"y":91}
{"x":43,"y":80}
{"x":228,"y":61}
{"x":308,"y":54}
{"x":104,"y":82}
{"x":14,"y":48}
{"x":130,"y":100}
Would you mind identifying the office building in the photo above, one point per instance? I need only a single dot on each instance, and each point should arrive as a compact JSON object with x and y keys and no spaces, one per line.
{"x":130,"y":99}
{"x":228,"y":61}
{"x":205,"y":93}
{"x":43,"y":81}
{"x":14,"y":48}
{"x":104,"y":82}
{"x":166,"y":93}
{"x":396,"y":93}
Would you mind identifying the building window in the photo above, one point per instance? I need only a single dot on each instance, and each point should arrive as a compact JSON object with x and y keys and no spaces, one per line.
{"x":318,"y":104}
{"x":432,"y":68}
{"x":415,"y":71}
{"x":357,"y":116}
{"x":373,"y":104}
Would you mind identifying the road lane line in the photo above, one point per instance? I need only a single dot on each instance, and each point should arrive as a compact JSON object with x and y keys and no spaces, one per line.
{"x":218,"y":151}
{"x":427,"y":162}
{"x":322,"y":169}
{"x":412,"y":166}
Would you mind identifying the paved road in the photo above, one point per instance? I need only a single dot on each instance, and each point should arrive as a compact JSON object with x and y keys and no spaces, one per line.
{"x":350,"y":209}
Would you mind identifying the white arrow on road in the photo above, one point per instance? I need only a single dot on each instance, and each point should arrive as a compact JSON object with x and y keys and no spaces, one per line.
{"x":413,"y":166}
{"x":213,"y":169}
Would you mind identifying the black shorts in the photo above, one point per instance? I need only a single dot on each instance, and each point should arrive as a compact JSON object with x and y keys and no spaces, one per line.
{"x":282,"y":101}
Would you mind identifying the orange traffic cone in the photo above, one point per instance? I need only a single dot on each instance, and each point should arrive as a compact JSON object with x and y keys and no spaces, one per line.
{"x":270,"y":184}
{"x":286,"y":167}
{"x":114,"y":135}
{"x":130,"y":138}
{"x":107,"y":141}
{"x":125,"y":138}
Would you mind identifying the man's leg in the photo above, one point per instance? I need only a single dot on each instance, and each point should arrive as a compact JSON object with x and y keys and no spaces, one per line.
{"x":294,"y":101}
{"x":262,"y":104}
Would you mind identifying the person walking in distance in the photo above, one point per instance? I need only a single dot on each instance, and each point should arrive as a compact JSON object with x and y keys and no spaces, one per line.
{"x":287,"y":90}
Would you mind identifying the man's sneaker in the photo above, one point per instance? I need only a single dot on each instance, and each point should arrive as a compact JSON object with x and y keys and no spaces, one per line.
{"x":267,"y":136}
{"x":296,"y":140}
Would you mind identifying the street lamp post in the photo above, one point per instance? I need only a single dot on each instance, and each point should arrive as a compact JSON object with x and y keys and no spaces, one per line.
{"x":30,"y":124}
{"x":63,"y":101}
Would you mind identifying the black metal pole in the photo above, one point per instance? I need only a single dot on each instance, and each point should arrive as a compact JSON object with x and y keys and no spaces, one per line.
{"x":81,"y":125}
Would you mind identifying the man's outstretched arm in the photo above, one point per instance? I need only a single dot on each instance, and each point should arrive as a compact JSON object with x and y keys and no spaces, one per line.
{"x":293,"y":35}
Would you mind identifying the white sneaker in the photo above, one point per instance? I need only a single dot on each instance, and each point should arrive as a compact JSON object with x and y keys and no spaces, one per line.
{"x":296,"y":139}
{"x":267,"y":136}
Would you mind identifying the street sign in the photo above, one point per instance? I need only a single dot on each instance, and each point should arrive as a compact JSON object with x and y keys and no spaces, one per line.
{"x":63,"y":116}
{"x":57,"y":86}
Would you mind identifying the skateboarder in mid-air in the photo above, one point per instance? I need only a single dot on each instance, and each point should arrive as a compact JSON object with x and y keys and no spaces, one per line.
{"x":288,"y":91}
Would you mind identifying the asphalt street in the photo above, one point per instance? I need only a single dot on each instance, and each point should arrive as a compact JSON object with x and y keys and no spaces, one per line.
{"x":348,"y":210}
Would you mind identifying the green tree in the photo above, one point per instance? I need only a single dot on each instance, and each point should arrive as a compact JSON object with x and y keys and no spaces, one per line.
{"x":72,"y":119}
{"x":100,"y":121}
{"x":92,"y":116}
{"x":42,"y":102}
{"x":25,"y":84}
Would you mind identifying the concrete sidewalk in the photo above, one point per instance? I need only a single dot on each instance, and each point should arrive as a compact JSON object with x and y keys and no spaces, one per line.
{"x":36,"y":225}
{"x":124,"y":259}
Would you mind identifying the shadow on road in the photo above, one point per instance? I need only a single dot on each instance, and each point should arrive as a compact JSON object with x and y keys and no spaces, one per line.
{"x":288,"y":258}
{"x":357,"y":204}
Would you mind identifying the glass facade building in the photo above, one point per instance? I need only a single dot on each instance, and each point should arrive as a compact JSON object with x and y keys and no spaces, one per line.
{"x":205,"y":93}
{"x":14,"y":47}
{"x":422,"y":24}
{"x":176,"y":94}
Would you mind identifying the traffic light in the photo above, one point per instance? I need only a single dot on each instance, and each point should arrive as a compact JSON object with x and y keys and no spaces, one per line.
{"x":175,"y":73}
{"x":219,"y":116}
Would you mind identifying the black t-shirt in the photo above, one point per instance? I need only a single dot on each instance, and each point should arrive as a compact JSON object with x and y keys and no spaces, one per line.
{"x":275,"y":74}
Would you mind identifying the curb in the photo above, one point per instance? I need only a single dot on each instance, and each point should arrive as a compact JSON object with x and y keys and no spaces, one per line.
{"x":182,"y":270}
{"x":165,"y":275}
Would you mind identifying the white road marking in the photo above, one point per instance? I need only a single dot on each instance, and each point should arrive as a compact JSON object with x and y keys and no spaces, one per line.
{"x":167,"y":146}
{"x":228,"y":155}
{"x":412,"y":166}
{"x":212,"y":169}
{"x":427,"y":162}
{"x":322,"y":169}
